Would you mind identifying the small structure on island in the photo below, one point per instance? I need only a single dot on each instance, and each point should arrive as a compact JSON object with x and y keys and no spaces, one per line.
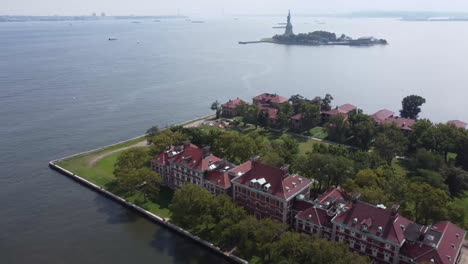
{"x":289,"y":27}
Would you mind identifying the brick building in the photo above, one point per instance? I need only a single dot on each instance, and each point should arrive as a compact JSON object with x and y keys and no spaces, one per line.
{"x":268,"y":192}
{"x":229,"y":109}
{"x":379,"y":233}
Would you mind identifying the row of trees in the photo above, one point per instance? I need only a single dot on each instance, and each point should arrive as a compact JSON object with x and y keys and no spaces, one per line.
{"x":261,"y":241}
{"x":133,"y":174}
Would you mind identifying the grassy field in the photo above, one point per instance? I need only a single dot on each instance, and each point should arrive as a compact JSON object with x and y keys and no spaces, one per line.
{"x":318,"y":132}
{"x":463,"y":203}
{"x":101,"y":173}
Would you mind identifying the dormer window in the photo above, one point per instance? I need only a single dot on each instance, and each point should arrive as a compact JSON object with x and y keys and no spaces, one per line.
{"x":379,"y":229}
{"x":294,"y":184}
{"x":267,"y":187}
{"x":355,"y":220}
{"x":287,"y":189}
{"x":309,"y":216}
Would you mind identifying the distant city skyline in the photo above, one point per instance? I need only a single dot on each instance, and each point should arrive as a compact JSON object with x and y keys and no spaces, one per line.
{"x":220,"y":7}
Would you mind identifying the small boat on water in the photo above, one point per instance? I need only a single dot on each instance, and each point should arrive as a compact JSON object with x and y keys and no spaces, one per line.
{"x":110,"y":39}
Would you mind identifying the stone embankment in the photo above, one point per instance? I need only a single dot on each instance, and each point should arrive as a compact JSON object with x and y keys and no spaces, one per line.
{"x":155,"y":218}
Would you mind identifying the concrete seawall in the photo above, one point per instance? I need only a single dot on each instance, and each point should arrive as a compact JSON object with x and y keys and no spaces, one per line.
{"x":147,"y":214}
{"x":155,"y":218}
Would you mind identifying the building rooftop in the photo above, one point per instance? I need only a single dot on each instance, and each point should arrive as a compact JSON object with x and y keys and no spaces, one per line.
{"x":232,"y":104}
{"x":401,"y":122}
{"x":383,"y":223}
{"x":439,"y":243}
{"x":188,"y":155}
{"x":271,"y":98}
{"x":380,"y":116}
{"x":457,"y":123}
{"x":343,"y":110}
{"x":280,"y":183}
{"x":219,"y":174}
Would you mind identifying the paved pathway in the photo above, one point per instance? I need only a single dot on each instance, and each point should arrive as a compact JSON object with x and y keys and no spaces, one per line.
{"x":94,"y":160}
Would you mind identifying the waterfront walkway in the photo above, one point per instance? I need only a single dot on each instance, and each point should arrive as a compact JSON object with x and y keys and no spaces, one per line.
{"x":92,"y":162}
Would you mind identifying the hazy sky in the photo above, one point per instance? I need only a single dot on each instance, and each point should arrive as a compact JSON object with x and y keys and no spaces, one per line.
{"x":214,"y":7}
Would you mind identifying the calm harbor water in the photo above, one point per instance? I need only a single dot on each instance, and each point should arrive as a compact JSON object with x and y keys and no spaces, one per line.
{"x":64,"y":88}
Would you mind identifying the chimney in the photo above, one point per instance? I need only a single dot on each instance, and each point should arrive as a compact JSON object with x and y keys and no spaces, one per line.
{"x":394,"y":209}
{"x":206,"y":151}
{"x":356,"y":197}
{"x":285,"y":170}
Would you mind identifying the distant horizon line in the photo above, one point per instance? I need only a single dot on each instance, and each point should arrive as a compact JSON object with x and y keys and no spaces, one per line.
{"x":361,"y":13}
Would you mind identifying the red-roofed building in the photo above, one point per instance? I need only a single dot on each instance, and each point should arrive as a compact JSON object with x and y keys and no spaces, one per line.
{"x":229,"y":109}
{"x":402,"y":123}
{"x":382,"y":115}
{"x":269,"y":99}
{"x":296,"y":122}
{"x":344,"y":110}
{"x":440,"y":243}
{"x":218,"y":178}
{"x":184,"y":164}
{"x":268,"y":192}
{"x":381,"y":234}
{"x":457,"y":123}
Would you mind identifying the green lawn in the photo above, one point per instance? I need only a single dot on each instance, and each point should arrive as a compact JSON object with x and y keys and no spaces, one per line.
{"x":102,"y":175}
{"x":318,"y":132}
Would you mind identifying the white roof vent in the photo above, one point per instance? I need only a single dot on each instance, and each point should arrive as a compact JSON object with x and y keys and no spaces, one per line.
{"x":287,"y":189}
{"x":294,"y":184}
{"x":381,"y":206}
{"x":266,"y":187}
{"x":261,"y":181}
{"x":355,"y":220}
{"x":300,"y":180}
{"x":252,"y":182}
{"x":309,"y":216}
{"x":379,"y":229}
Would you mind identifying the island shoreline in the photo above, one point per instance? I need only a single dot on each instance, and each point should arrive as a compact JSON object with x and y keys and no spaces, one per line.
{"x":150,"y":216}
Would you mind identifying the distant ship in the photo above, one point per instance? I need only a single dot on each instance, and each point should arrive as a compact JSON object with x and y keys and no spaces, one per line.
{"x":112,"y":38}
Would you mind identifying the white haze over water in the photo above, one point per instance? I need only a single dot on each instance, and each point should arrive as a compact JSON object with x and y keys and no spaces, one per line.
{"x":218,"y":7}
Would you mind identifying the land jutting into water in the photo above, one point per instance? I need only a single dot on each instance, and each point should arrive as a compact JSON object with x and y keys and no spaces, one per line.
{"x":317,"y":38}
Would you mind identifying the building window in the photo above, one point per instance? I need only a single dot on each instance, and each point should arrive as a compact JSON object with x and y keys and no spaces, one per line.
{"x":341,"y":229}
{"x":353,"y":233}
{"x":363,"y":247}
{"x":387,"y":257}
{"x":374,"y":252}
{"x":388,"y":246}
{"x":340,"y":238}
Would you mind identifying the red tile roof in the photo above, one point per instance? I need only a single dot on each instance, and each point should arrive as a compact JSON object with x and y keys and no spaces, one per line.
{"x":438,"y":243}
{"x":297,"y":117}
{"x":457,"y":123}
{"x":232,"y":104}
{"x":401,"y":122}
{"x":219,"y":178}
{"x":341,"y":110}
{"x":334,"y":193}
{"x":271,"y":98}
{"x":190,"y":155}
{"x":281,"y":182}
{"x":382,"y":115}
{"x":317,"y":216}
{"x":374,"y":217}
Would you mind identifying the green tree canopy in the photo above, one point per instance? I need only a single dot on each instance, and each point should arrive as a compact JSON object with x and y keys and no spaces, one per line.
{"x":390,"y":142}
{"x":337,"y":128}
{"x":411,"y":106}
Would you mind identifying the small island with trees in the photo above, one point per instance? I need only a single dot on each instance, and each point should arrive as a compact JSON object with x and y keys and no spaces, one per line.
{"x":318,"y":38}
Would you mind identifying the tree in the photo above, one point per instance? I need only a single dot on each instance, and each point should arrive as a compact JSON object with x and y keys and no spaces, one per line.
{"x":417,"y":131}
{"x":296,"y":102}
{"x":190,"y":208}
{"x":130,"y":167}
{"x":237,"y":148}
{"x":151,"y":132}
{"x":362,"y":130}
{"x":337,"y":128}
{"x":311,"y":115}
{"x":412,"y":106}
{"x":149,"y":182}
{"x":430,"y":204}
{"x":166,"y":138}
{"x":456,"y":180}
{"x":462,"y":152}
{"x":390,"y":142}
{"x":250,"y":114}
{"x":262,"y":118}
{"x":326,"y":102}
{"x":131,"y":159}
{"x":216,"y":106}
{"x":424,"y":159}
{"x":442,"y":139}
